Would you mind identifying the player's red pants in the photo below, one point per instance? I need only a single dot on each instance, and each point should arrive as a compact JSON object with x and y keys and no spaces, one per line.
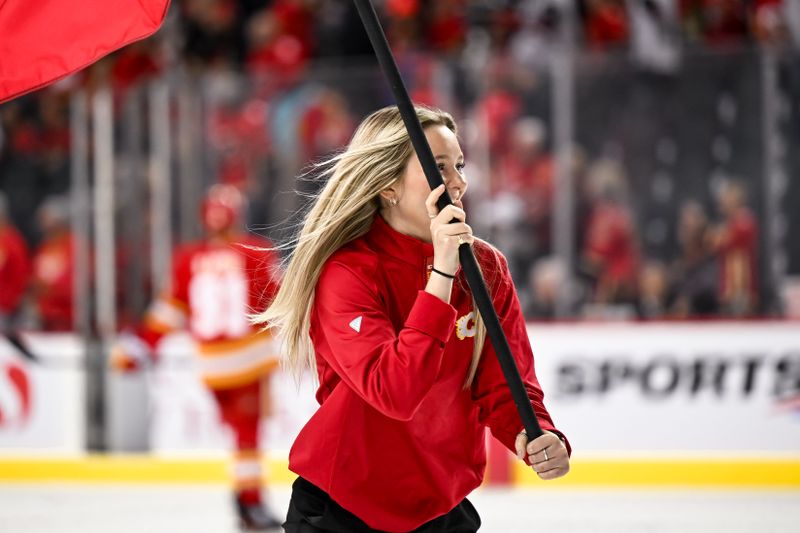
{"x":241,"y":409}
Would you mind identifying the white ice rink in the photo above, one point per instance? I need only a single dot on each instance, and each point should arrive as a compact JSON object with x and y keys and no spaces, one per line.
{"x":62,"y":508}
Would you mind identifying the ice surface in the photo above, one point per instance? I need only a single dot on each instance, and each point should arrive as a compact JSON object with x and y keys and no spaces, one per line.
{"x":81,"y":508}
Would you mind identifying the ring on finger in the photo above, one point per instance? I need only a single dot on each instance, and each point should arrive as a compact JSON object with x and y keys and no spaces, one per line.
{"x":431,"y":216}
{"x":545,"y":454}
{"x":460,"y":240}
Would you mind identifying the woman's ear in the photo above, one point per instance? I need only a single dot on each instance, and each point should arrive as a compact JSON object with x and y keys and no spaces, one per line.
{"x":390,"y":194}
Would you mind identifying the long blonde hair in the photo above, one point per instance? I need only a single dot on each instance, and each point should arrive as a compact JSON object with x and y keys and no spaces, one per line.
{"x":341,"y":212}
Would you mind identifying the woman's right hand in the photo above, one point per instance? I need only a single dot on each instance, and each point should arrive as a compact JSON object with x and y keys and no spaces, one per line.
{"x":445,"y":236}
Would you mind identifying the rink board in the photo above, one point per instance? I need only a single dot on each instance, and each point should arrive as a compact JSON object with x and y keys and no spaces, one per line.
{"x":674,"y":404}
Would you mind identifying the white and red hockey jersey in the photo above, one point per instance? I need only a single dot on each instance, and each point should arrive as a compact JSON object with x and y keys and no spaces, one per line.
{"x":215,"y":288}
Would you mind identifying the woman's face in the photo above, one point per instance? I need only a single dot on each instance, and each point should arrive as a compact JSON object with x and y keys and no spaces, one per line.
{"x":410,"y":215}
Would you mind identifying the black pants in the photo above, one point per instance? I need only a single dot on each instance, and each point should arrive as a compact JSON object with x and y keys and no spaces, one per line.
{"x":311,"y":510}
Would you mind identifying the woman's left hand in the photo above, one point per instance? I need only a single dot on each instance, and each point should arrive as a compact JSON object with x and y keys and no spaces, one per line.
{"x":546,"y":454}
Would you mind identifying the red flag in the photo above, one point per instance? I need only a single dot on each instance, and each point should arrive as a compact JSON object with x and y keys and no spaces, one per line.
{"x":42,"y":41}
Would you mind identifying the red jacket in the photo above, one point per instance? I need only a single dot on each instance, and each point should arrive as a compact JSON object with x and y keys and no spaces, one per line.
{"x":397,"y":439}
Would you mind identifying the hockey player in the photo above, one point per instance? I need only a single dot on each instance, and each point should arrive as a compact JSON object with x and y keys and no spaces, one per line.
{"x":215,"y":284}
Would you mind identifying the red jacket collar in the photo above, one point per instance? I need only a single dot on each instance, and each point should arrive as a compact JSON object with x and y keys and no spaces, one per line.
{"x":398,"y":245}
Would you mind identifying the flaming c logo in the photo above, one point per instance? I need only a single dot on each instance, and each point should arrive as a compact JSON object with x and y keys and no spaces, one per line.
{"x":465,"y":326}
{"x":15,"y":394}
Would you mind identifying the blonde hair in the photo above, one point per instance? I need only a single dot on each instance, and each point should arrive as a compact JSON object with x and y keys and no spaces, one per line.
{"x":341,"y":212}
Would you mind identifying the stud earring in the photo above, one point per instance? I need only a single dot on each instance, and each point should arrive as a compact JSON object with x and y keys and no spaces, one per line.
{"x":393,"y":202}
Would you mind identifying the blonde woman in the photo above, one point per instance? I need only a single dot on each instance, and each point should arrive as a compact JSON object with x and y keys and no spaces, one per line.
{"x":374,"y":302}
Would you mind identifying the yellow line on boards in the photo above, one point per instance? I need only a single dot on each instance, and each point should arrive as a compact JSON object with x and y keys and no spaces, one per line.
{"x":131,"y":469}
{"x":698,"y":473}
{"x":664,"y":473}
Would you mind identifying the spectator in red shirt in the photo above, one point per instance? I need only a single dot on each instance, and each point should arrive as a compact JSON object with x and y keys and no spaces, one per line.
{"x":606,"y":24}
{"x":238,"y":133}
{"x":447,"y":25}
{"x":374,"y":303}
{"x":134,"y":64}
{"x":527,"y":171}
{"x":498,"y":109}
{"x":402,"y":8}
{"x":403,"y":25}
{"x":769,"y":21}
{"x":325,"y":125}
{"x":280,"y":43}
{"x":610,"y":253}
{"x":14,"y":266}
{"x":736,"y":242}
{"x":53,"y":266}
{"x":296,"y":17}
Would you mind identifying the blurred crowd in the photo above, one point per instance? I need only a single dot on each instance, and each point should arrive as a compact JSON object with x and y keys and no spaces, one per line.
{"x":281,"y":38}
{"x":713,"y":266}
{"x":712,"y":271}
{"x":283,"y":35}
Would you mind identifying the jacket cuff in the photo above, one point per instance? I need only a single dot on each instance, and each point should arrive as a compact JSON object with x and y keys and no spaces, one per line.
{"x":564,"y":439}
{"x":432,"y":316}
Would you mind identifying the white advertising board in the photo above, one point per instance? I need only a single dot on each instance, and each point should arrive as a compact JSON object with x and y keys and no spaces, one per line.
{"x":42,"y":403}
{"x":673,"y":387}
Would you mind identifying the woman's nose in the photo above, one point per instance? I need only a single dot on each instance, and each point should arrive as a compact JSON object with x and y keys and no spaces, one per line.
{"x":455,"y":180}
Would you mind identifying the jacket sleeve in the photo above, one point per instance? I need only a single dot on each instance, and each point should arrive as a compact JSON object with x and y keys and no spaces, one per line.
{"x":391,"y":370}
{"x":490,"y":390}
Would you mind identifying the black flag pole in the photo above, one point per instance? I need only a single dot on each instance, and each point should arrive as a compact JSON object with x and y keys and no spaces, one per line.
{"x":468,"y":262}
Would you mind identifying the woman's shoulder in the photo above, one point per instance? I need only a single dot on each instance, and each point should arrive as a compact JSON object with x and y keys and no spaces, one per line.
{"x":491,"y":260}
{"x":354,"y":260}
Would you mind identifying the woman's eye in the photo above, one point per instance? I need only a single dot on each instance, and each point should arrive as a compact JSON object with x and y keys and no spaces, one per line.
{"x":441,"y":168}
{"x":460,"y":167}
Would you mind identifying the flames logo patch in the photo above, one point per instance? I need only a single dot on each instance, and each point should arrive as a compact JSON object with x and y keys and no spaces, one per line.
{"x":465,"y":326}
